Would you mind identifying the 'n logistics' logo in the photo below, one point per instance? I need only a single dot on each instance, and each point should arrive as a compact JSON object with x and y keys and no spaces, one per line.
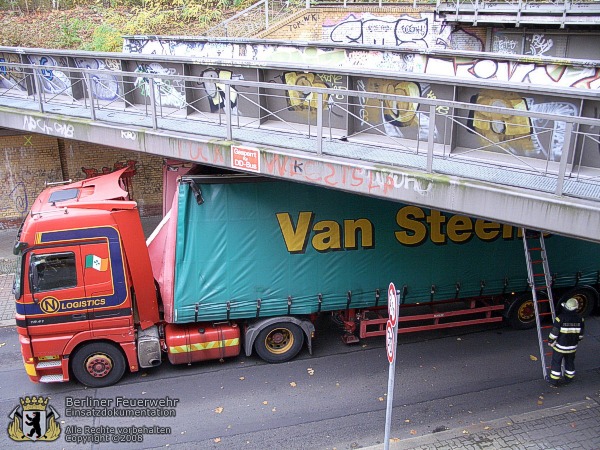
{"x":34,"y":420}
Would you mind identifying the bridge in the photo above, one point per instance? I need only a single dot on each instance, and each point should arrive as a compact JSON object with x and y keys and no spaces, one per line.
{"x":508,"y":138}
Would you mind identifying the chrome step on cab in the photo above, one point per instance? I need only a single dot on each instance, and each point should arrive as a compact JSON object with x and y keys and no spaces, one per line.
{"x":51,"y":379}
{"x":47,"y":364}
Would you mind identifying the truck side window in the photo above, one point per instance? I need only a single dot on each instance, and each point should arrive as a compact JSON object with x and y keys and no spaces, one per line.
{"x":53,"y":271}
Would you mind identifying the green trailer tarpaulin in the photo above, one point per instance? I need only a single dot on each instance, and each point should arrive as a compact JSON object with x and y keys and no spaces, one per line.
{"x":288,"y":244}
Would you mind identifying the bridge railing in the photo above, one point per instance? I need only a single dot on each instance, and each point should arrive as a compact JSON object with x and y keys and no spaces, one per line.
{"x":307,"y":118}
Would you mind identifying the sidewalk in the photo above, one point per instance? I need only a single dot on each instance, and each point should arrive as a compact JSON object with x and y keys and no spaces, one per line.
{"x":8,"y":265}
{"x":568,"y":427}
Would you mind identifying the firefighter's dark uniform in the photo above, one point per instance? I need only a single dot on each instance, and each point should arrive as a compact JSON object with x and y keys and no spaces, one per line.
{"x":567,"y":331}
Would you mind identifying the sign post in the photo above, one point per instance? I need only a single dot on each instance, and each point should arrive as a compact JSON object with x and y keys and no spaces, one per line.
{"x":391,"y":343}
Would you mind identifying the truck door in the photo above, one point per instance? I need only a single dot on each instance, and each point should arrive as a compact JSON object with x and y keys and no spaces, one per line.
{"x":55,"y":299}
{"x":107,"y":298}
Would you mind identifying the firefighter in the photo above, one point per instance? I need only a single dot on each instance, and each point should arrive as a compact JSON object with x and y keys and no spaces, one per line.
{"x":567,"y":331}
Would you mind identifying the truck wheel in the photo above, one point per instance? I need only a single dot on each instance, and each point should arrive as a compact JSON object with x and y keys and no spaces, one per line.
{"x":521,"y":315}
{"x":585,"y":296}
{"x":98,"y":365}
{"x":279,"y":342}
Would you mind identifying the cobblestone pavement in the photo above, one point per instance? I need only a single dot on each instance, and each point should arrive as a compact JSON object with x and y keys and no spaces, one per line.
{"x":573,"y":426}
{"x":7,"y":300}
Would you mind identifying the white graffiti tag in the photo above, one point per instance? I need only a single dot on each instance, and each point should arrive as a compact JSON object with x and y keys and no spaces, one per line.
{"x":47,"y":126}
{"x":131,"y":135}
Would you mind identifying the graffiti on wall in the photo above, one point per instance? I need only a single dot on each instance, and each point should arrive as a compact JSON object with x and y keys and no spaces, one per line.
{"x":53,"y":81}
{"x":105,"y":86}
{"x":216,"y":91}
{"x":406,"y":31}
{"x":540,"y":138}
{"x":167,"y":92}
{"x":131,"y":164}
{"x":304,"y":100}
{"x":11,"y":77}
{"x":400,"y":117}
{"x":48,"y":126}
{"x":525,"y":70}
{"x":20,"y":180}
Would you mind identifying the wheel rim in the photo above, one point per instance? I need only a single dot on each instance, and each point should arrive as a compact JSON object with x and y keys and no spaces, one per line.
{"x":98,"y":365}
{"x":526,"y":311}
{"x":279,"y":340}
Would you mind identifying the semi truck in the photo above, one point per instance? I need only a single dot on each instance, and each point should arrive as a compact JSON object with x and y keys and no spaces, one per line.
{"x":244,"y":263}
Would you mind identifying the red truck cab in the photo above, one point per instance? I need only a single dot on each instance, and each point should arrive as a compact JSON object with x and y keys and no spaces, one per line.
{"x":84,"y":288}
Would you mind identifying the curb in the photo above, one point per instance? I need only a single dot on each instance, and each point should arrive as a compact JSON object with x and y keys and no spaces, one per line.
{"x":8,"y":323}
{"x":438,"y":439}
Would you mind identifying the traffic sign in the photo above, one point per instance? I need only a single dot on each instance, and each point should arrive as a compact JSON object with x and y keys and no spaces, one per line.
{"x":390,"y":341}
{"x":392,"y":304}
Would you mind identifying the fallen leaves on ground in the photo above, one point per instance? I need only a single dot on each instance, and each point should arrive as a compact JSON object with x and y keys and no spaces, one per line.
{"x":293,"y":384}
{"x":310,"y":371}
{"x":217,"y":440}
{"x":219,"y":409}
{"x":533,"y":358}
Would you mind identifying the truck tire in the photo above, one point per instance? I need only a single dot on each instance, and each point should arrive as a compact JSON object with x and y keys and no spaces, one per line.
{"x":99,"y":364}
{"x":521,"y":315}
{"x":587,"y":298}
{"x":279,"y":342}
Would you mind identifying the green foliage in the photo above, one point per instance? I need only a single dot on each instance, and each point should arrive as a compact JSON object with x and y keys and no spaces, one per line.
{"x":105,"y":38}
{"x":69,"y":33}
{"x":98,"y":25}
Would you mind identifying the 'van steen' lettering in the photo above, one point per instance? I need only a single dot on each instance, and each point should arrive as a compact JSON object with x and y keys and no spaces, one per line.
{"x":416,"y":227}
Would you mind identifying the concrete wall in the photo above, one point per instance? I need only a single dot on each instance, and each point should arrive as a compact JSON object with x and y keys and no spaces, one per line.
{"x":419,"y":29}
{"x":30,"y":160}
{"x":402,"y":26}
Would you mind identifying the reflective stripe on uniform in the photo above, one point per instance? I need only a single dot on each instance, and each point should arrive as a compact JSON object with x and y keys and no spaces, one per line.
{"x":570,"y":330}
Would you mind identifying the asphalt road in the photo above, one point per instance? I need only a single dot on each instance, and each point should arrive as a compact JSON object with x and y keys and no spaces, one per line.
{"x":334,"y":399}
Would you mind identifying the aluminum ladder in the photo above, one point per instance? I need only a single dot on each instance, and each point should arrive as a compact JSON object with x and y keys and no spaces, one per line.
{"x":539,"y":279}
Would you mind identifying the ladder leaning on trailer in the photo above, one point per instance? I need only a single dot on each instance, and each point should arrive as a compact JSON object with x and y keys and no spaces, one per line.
{"x":540,"y":281}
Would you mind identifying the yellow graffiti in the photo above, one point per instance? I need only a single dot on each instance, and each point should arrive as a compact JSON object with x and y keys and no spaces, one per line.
{"x":440,"y":109}
{"x":499,"y":127}
{"x":400,"y":113}
{"x":303,"y":100}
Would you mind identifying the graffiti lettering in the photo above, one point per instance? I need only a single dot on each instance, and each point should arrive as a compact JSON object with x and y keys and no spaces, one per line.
{"x":539,"y":45}
{"x":126,"y":134}
{"x":48,"y":126}
{"x":342,"y":176}
{"x":91,"y":172}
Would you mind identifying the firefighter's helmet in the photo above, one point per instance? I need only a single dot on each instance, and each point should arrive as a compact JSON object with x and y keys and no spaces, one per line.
{"x":571,"y":305}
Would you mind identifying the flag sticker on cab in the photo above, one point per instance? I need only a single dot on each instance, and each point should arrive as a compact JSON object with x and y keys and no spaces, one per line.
{"x":96,"y":263}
